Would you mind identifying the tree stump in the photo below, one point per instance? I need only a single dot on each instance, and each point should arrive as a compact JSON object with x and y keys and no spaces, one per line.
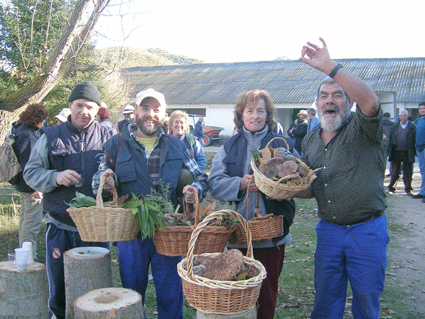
{"x":85,"y":272}
{"x":23,"y":294}
{"x":251,"y":313}
{"x":117,"y":303}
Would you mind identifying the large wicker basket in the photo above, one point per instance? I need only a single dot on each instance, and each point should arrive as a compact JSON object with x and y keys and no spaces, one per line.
{"x":286,"y":186}
{"x":223,"y":297}
{"x":105,"y":224}
{"x":174,"y":240}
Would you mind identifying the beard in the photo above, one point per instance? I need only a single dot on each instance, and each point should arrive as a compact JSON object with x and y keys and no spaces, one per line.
{"x":333,"y":124}
{"x":140,"y":122}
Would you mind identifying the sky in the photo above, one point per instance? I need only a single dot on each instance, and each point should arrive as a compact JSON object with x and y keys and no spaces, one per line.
{"x":246,"y":30}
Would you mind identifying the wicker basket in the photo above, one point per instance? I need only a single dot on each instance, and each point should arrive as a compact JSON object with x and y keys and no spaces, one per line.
{"x":174,"y":240}
{"x":214,"y":296}
{"x":105,"y":224}
{"x":286,"y":186}
{"x":267,"y":227}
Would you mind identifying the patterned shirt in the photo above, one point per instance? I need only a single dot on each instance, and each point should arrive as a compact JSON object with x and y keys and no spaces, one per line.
{"x":349,"y":186}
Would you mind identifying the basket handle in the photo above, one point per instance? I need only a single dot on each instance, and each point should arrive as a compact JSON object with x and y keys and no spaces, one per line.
{"x":195,"y":206}
{"x":99,"y":199}
{"x":198,"y":229}
{"x":281,"y":138}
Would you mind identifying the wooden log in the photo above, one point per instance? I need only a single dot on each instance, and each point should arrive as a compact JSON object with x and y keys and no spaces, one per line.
{"x":117,"y":303}
{"x":251,"y":313}
{"x":85,"y":272}
{"x":23,"y":294}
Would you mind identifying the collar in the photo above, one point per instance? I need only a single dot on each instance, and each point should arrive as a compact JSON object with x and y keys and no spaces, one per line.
{"x":255,"y":135}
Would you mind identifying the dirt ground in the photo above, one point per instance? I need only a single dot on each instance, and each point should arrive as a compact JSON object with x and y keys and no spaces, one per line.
{"x":407,"y":247}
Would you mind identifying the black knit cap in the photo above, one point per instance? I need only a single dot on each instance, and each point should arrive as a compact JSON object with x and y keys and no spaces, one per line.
{"x":85,"y":90}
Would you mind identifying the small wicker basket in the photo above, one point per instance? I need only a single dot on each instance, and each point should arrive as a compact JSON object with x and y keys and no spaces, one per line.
{"x":174,"y":240}
{"x":214,"y":296}
{"x":105,"y":224}
{"x":286,"y":186}
{"x":267,"y":227}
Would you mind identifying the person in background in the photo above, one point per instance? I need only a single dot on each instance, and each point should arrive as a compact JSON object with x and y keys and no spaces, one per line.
{"x":298,"y":129}
{"x":401,"y":149}
{"x":198,"y":130}
{"x":63,"y":161}
{"x":178,"y":125}
{"x":277,"y":128}
{"x":420,"y":148}
{"x":62,"y":117}
{"x":352,"y":234}
{"x":103,"y":116}
{"x":139,"y":160}
{"x":387,"y":124}
{"x":128,"y":117}
{"x":27,"y":134}
{"x":231,"y":177}
{"x":313,"y":121}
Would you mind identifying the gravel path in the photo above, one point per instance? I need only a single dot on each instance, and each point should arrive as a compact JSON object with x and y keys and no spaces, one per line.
{"x":406,"y":251}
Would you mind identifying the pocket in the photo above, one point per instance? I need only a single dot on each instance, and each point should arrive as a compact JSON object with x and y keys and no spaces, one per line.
{"x":126,"y":168}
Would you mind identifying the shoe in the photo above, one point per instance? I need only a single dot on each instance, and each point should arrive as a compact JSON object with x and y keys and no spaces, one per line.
{"x":390,"y":193}
{"x":409,"y":193}
{"x":388,"y":175}
{"x":418,"y":196}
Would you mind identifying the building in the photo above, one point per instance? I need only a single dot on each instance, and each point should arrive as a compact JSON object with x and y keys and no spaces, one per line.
{"x":211,"y":89}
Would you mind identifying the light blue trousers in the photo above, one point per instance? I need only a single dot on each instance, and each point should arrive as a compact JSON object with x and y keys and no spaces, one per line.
{"x":421,"y":160}
{"x":356,"y":253}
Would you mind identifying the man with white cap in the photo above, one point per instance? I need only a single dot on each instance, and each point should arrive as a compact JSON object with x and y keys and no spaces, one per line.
{"x":298,"y":129}
{"x":128,"y":116}
{"x":142,"y":159}
{"x":62,"y":117}
{"x":63,"y":161}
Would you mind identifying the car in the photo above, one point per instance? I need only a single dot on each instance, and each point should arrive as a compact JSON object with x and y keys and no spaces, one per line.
{"x":210,"y":133}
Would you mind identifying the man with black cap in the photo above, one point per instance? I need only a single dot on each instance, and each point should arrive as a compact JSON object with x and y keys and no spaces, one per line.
{"x":62,"y":162}
{"x":143,"y":159}
{"x":128,"y":116}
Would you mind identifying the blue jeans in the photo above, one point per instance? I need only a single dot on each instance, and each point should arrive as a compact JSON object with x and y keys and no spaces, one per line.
{"x":421,"y":160}
{"x":135,"y":257}
{"x":355,"y":253}
{"x":59,"y":241}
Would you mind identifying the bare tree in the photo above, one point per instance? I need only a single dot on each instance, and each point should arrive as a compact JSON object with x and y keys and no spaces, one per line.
{"x":60,"y":61}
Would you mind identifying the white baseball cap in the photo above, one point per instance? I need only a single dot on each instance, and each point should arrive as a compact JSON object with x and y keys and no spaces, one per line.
{"x":63,"y":114}
{"x":150,"y":93}
{"x":128,"y":109}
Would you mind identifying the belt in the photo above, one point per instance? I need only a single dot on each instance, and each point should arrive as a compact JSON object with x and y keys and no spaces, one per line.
{"x":367,"y":219}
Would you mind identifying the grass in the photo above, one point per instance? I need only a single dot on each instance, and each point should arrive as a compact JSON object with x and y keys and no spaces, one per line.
{"x":296,"y":286}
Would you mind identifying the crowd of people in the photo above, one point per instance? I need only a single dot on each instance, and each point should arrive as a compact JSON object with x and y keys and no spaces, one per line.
{"x":150,"y":148}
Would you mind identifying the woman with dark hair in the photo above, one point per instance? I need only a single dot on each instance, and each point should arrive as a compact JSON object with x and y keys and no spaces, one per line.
{"x":32,"y":121}
{"x":103,"y":118}
{"x":231,"y":177}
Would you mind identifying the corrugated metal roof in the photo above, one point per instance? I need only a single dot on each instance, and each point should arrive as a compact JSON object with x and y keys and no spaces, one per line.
{"x":289,"y":81}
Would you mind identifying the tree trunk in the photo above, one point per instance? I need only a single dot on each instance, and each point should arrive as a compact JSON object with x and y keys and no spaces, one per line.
{"x":118,"y":303}
{"x":83,"y":274}
{"x":23,"y":294}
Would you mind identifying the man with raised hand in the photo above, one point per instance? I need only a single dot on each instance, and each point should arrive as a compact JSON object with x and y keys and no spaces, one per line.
{"x":352,"y":232}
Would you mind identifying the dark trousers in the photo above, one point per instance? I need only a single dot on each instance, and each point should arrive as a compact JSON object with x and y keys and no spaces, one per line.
{"x":272,"y":260}
{"x":399,"y":158}
{"x":57,"y":242}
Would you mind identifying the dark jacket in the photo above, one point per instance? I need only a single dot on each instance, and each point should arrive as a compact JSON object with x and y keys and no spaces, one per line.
{"x":298,"y":132}
{"x":68,"y":148}
{"x":131,"y":168}
{"x":235,"y":147}
{"x":24,"y":142}
{"x":386,"y":127}
{"x":411,"y":141}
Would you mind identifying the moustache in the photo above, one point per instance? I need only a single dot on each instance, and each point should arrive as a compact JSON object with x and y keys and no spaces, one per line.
{"x":330,"y":108}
